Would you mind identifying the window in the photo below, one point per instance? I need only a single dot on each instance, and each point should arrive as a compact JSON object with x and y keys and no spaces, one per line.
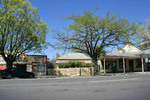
{"x":138,"y":63}
{"x":41,"y":68}
{"x":108,"y":65}
{"x":120,"y":63}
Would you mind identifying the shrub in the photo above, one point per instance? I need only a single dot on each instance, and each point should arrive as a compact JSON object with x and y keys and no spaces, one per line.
{"x":74,"y":64}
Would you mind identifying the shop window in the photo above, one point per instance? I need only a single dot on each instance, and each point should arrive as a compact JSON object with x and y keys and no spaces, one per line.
{"x":121,"y":63}
{"x":41,"y":68}
{"x":108,"y":65}
{"x":138,"y":63}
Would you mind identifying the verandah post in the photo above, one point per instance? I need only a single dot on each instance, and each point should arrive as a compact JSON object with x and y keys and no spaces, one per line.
{"x":124,"y":69}
{"x":142,"y":65}
{"x":104,"y":66}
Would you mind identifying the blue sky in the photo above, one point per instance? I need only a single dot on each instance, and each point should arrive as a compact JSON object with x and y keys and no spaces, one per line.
{"x":51,"y":12}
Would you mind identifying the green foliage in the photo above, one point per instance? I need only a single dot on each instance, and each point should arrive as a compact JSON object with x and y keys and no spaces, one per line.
{"x":143,"y":36}
{"x":51,"y":64}
{"x":91,"y":34}
{"x":21,"y":29}
{"x":74,"y":64}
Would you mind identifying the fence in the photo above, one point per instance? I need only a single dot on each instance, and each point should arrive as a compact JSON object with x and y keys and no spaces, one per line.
{"x":71,"y":71}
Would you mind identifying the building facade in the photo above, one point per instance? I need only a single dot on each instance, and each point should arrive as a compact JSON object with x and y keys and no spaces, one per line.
{"x":2,"y":63}
{"x":73,"y":57}
{"x":126,"y":59}
{"x":29,"y":63}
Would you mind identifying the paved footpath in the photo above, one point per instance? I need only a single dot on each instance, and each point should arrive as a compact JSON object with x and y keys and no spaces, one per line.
{"x":102,"y":74}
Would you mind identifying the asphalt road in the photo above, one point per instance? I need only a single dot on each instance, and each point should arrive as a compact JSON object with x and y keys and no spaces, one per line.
{"x":124,"y":87}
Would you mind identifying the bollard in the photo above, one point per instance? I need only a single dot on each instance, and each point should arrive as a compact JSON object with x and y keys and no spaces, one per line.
{"x":80,"y":71}
{"x":91,"y":71}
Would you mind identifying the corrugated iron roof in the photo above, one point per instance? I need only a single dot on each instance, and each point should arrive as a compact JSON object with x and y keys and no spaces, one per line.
{"x":147,"y":50}
{"x":74,"y":56}
{"x":129,"y":55}
{"x":124,"y":55}
{"x":126,"y":49}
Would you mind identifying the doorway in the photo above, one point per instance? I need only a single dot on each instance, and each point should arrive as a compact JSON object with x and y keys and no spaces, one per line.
{"x":148,"y":66}
{"x":131,"y":66}
{"x":35,"y":69}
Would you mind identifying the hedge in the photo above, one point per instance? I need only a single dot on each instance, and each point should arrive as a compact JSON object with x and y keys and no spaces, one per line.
{"x":74,"y":64}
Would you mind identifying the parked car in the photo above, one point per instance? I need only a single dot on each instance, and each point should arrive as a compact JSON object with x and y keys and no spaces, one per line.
{"x":15,"y":72}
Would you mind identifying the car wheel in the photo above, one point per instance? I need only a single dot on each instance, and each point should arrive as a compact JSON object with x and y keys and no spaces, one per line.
{"x":3,"y":77}
{"x":31,"y":76}
{"x":9,"y":76}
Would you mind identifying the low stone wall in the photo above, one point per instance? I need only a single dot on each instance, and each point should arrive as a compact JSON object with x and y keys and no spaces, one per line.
{"x":71,"y":71}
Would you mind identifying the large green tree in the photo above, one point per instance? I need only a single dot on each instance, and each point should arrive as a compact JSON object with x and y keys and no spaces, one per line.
{"x":91,"y":34}
{"x":143,"y":35}
{"x":21,"y":29}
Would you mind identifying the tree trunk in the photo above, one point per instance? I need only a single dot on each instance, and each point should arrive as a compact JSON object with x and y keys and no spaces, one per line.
{"x":9,"y":64}
{"x":95,"y":66}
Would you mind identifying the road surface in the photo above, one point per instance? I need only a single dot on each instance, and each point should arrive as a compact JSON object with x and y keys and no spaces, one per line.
{"x":123,"y":87}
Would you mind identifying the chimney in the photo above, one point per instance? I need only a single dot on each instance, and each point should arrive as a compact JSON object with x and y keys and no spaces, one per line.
{"x":57,"y":56}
